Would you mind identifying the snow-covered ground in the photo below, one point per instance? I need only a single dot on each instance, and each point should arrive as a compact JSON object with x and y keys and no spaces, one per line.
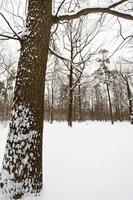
{"x":91,"y":161}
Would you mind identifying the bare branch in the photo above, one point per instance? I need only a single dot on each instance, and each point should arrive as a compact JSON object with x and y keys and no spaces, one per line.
{"x":87,"y":11}
{"x":120,"y":45}
{"x":117,"y":4}
{"x":57,"y":55}
{"x":60,"y":7}
{"x":10,"y":27}
{"x":7,"y":37}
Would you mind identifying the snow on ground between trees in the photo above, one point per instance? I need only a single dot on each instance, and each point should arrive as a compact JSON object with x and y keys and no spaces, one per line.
{"x":92,"y":160}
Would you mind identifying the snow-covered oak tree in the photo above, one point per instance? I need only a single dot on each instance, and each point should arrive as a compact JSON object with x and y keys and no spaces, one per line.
{"x":22,"y":163}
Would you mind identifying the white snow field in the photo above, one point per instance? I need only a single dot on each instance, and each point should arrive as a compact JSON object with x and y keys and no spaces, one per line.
{"x":91,"y":161}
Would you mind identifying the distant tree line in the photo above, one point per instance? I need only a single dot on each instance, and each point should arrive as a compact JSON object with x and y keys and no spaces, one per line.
{"x":104,"y":95}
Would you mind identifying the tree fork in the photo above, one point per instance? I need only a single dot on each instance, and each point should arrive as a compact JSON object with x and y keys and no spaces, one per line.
{"x":22,"y":164}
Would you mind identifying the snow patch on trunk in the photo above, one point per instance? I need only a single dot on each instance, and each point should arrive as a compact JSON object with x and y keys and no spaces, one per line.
{"x":17,"y":163}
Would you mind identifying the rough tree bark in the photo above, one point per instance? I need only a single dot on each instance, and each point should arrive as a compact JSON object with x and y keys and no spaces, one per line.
{"x":22,"y":164}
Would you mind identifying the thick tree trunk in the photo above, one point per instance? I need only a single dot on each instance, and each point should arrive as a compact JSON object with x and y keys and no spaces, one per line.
{"x":22,"y":164}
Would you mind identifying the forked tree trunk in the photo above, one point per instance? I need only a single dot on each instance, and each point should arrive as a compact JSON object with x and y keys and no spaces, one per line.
{"x":22,"y":164}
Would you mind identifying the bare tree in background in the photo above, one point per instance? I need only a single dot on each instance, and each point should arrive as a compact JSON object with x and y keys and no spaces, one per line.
{"x":104,"y":61}
{"x":127,"y":75}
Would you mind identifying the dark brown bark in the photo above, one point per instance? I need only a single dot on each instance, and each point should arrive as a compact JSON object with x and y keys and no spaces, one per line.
{"x":88,"y":11}
{"x":70,"y":101}
{"x":22,"y":164}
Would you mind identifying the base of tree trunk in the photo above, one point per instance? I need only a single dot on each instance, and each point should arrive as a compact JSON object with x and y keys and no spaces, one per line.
{"x":22,"y":164}
{"x":13,"y":190}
